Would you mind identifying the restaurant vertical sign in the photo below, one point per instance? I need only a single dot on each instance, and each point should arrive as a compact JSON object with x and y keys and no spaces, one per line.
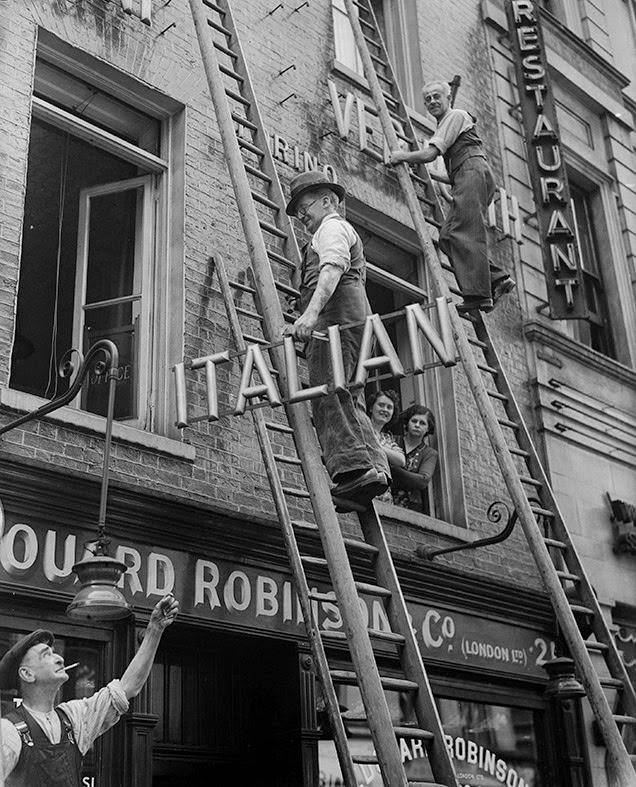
{"x":548,"y":176}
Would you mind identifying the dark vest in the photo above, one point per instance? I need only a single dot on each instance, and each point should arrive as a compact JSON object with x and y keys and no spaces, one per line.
{"x":467,"y":145}
{"x":349,"y":301}
{"x":42,"y":763}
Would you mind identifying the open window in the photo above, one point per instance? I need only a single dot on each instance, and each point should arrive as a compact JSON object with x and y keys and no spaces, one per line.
{"x":94,"y":260}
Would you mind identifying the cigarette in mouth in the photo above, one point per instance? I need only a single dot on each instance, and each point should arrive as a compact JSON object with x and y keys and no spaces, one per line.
{"x":71,"y":666}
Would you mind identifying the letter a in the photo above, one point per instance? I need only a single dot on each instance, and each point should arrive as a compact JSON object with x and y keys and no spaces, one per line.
{"x":254,"y":357}
{"x":373,"y":328}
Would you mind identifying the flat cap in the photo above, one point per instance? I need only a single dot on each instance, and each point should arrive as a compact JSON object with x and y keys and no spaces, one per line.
{"x":10,"y":662}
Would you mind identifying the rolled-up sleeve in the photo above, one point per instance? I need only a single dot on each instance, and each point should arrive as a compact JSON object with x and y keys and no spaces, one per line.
{"x":11,"y":747}
{"x":332,"y":243}
{"x":455,"y":122}
{"x":92,"y":716}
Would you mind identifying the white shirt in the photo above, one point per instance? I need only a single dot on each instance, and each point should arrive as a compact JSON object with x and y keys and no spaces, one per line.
{"x":332,"y":242}
{"x":453,"y":123}
{"x":89,"y":717}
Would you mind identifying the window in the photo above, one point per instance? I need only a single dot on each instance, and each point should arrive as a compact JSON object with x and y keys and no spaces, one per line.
{"x":93,"y":244}
{"x":489,"y":743}
{"x":597,"y":332}
{"x":397,"y":21}
{"x":396,"y":277}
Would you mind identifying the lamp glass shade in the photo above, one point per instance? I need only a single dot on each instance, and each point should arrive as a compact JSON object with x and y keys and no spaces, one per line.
{"x":99,"y":597}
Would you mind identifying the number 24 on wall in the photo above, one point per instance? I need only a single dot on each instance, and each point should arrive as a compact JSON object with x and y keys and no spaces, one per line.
{"x":545,"y":648}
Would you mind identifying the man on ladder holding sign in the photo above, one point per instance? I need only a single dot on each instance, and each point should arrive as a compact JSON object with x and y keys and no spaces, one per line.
{"x":332,"y":292}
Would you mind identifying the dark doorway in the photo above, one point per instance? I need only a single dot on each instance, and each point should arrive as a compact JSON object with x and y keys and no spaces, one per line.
{"x":229,"y":713}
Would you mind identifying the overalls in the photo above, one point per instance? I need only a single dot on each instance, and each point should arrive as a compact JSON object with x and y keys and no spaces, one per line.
{"x":42,"y":763}
{"x":346,"y":436}
{"x":464,"y":234}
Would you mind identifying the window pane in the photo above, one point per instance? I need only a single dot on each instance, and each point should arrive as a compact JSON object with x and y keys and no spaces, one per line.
{"x":59,"y":167}
{"x":346,"y":49}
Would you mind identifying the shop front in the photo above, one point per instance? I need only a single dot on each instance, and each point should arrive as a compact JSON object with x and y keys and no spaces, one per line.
{"x":233,"y":696}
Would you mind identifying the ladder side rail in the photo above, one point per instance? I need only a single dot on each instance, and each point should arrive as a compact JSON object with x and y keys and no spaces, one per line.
{"x":615,"y":747}
{"x":411,"y":657}
{"x":549,"y":501}
{"x":293,"y":552}
{"x":362,"y":654}
{"x":422,"y":169}
{"x":269,"y":168}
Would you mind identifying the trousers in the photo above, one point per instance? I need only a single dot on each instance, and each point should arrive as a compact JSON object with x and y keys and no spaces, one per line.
{"x":464,"y":235}
{"x":348,"y":441}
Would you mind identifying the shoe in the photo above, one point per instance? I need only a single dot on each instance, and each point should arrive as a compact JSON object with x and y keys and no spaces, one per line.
{"x":367,"y":484}
{"x":502,"y":287}
{"x":475,"y":304}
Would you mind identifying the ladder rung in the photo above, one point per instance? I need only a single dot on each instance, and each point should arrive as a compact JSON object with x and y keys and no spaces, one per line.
{"x":364,"y":759}
{"x":289,"y":460}
{"x":419,"y":783}
{"x":620,"y":719}
{"x":507,"y":422}
{"x":276,"y":427}
{"x":373,"y":590}
{"x":214,"y":7}
{"x":322,"y":597}
{"x":541,"y":511}
{"x":251,"y":339}
{"x":295,"y":492}
{"x":310,"y":560}
{"x":413,"y":732}
{"x":394,"y":684}
{"x":581,"y":609}
{"x":264,"y":200}
{"x":248,"y":313}
{"x":489,"y":369}
{"x":219,"y":28}
{"x":553,"y":542}
{"x":243,"y":121}
{"x":351,"y":543}
{"x":372,"y":42}
{"x":611,"y":683}
{"x":519,"y":452}
{"x":244,"y":287}
{"x":530,"y":481}
{"x":272,"y":229}
{"x":229,"y":72}
{"x":225,"y":50}
{"x":366,"y":23}
{"x":569,"y":576}
{"x":281,"y":259}
{"x":238,"y":98}
{"x":256,"y":172}
{"x":287,"y":288}
{"x":245,"y":143}
{"x":496,"y":395}
{"x":477,"y":343}
{"x":596,"y":647}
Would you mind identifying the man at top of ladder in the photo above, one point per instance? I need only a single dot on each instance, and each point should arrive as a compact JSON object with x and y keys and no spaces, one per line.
{"x":332,"y":281}
{"x":463,"y":236}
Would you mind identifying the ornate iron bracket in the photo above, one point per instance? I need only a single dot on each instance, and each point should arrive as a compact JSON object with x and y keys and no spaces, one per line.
{"x":494,"y":514}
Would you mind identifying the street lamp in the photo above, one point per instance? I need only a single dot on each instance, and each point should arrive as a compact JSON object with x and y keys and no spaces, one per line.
{"x":99,"y":597}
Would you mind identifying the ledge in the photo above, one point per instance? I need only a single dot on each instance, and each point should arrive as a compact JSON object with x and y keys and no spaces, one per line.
{"x":539,"y":332}
{"x":424,"y":522}
{"x":88,"y":422}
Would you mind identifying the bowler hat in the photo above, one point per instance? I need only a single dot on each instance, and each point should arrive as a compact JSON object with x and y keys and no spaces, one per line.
{"x":10,"y":662}
{"x":310,"y":181}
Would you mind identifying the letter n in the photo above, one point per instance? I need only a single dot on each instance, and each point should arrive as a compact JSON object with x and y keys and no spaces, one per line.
{"x":416,"y":320}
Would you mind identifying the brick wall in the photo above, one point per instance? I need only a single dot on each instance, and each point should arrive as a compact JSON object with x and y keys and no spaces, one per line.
{"x":227,"y":471}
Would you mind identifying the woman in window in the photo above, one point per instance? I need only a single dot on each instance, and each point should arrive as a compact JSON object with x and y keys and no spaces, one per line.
{"x":382,"y":406}
{"x":411,"y":481}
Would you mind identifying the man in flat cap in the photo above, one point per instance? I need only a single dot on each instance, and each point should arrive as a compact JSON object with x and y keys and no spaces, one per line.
{"x":332,"y":282}
{"x":464,"y":234}
{"x":43,"y":745}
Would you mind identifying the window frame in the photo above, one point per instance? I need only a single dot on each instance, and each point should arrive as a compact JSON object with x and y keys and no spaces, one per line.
{"x":166,"y":342}
{"x":433,"y":387}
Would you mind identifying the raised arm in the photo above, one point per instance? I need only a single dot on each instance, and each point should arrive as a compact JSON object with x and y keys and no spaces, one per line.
{"x":423,"y":156}
{"x":138,"y":670}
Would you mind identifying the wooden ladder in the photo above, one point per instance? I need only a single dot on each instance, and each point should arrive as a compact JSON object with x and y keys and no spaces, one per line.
{"x":608,"y":688}
{"x":289,"y":445}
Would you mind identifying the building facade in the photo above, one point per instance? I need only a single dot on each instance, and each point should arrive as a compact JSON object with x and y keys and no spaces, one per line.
{"x":115,"y":200}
